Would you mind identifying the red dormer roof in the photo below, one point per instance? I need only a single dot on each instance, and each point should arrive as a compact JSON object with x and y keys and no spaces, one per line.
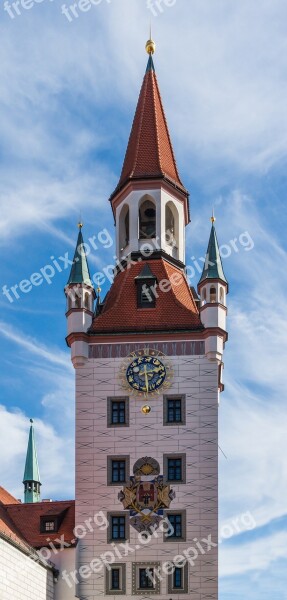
{"x":22,"y":522}
{"x":149,"y":153}
{"x":174,"y":309}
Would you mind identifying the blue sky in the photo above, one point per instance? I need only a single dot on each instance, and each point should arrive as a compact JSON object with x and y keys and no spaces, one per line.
{"x":68,"y":92}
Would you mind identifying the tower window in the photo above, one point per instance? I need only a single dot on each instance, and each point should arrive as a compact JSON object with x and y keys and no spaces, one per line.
{"x":177,"y":578}
{"x":146,"y":296}
{"x":176,"y":525}
{"x":78,"y":302}
{"x":147,"y":220}
{"x":118,"y":412}
{"x":212,"y":295}
{"x":146,"y":579}
{"x":118,"y":528}
{"x":177,"y":531}
{"x":174,"y":468}
{"x":174,"y":410}
{"x":87,"y":300}
{"x":50,"y":526}
{"x":118,"y":470}
{"x":221,"y":295}
{"x":115,"y":579}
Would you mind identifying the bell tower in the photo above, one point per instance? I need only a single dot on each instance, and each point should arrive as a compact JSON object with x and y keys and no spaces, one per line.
{"x":148,"y":367}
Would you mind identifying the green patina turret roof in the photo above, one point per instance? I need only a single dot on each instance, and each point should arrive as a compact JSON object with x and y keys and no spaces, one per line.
{"x":31,"y":472}
{"x":213,"y":266}
{"x":80,"y":272}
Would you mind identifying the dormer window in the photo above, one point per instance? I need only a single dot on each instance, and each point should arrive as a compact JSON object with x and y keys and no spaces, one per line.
{"x":50,"y":526}
{"x":146,"y":288}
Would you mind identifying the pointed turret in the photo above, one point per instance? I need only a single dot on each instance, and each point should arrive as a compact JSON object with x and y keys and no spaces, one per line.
{"x":213,"y":288}
{"x":150,"y":203}
{"x":31,"y":478}
{"x":213,"y":268}
{"x":80,"y":295}
{"x":80,"y":272}
{"x":149,"y":153}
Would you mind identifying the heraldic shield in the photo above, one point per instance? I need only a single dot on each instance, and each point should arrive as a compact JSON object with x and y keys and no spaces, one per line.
{"x":146,"y":496}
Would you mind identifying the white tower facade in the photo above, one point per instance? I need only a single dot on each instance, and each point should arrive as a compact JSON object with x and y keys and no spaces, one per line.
{"x":147,"y":380}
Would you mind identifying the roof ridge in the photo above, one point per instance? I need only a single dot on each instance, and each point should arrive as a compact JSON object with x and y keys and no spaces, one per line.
{"x":174,"y":294}
{"x":167,"y":131}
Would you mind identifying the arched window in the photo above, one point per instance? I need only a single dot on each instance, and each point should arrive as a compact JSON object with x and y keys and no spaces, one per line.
{"x":147,"y":220}
{"x":78,"y":302}
{"x":169,"y":226}
{"x":204,"y":296}
{"x":124,"y":223}
{"x":212,"y":294}
{"x":69,"y":301}
{"x":221,"y":296}
{"x":87,"y":300}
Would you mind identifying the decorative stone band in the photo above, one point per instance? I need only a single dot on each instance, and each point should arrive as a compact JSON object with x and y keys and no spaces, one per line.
{"x":180,"y":348}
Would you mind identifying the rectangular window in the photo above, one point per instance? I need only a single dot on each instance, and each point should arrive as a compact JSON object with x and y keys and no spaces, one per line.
{"x":176,"y":525}
{"x":118,"y":469}
{"x":118,"y":528}
{"x":115,"y":579}
{"x":146,"y":579}
{"x":177,"y":578}
{"x":50,"y":526}
{"x":118,"y":412}
{"x":174,"y":467}
{"x":174,"y":410}
{"x":145,"y":294}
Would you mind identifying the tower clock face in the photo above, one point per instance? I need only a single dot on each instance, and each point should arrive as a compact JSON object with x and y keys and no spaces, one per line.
{"x":146,"y":372}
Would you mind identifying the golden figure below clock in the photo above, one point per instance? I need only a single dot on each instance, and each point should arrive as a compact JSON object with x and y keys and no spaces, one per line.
{"x":147,"y":372}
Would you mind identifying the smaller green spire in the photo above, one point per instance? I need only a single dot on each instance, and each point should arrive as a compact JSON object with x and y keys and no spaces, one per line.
{"x":213,"y":268}
{"x":80,"y":272}
{"x":31,"y":478}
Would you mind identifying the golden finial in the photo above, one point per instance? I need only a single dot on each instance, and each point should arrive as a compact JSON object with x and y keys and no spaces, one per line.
{"x":212,"y":218}
{"x":150,"y":46}
{"x":99,"y":289}
{"x":80,"y":225}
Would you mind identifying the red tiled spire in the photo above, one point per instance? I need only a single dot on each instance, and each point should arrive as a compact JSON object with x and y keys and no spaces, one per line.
{"x":149,"y":153}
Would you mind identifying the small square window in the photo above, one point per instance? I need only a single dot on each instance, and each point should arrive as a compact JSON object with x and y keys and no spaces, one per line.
{"x":118,"y":470}
{"x":118,"y":412}
{"x":50,"y":526}
{"x":174,"y":468}
{"x":116,"y":579}
{"x":174,"y":410}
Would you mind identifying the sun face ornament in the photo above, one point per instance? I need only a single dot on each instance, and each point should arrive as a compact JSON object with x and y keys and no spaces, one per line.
{"x":146,"y":373}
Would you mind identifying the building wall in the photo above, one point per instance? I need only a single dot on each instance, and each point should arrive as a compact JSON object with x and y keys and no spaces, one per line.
{"x":197,"y":378}
{"x":64,"y":561}
{"x":21,"y":577}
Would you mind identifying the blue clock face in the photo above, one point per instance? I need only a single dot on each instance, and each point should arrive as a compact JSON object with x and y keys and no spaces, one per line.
{"x":146,"y":374}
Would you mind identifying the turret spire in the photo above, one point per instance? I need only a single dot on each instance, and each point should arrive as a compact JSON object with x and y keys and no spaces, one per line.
{"x":149,"y":152}
{"x":213,"y":268}
{"x":80,"y":272}
{"x":31,"y":478}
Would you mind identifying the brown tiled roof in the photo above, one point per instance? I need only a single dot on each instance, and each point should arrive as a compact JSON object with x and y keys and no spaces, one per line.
{"x":7,"y":498}
{"x":175,"y":309}
{"x":149,"y":151}
{"x":8,"y":527}
{"x":25,"y":518}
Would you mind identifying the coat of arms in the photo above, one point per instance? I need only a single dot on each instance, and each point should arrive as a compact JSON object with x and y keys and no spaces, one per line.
{"x":146,"y":496}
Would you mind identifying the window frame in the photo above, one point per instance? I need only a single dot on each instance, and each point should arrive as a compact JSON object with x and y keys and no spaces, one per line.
{"x":118,"y":399}
{"x":109,"y":590}
{"x":176,"y":539}
{"x":110,"y":459}
{"x":118,"y":514}
{"x":170,"y":581}
{"x":166,"y":399}
{"x":174,"y":456}
{"x":136,"y":589}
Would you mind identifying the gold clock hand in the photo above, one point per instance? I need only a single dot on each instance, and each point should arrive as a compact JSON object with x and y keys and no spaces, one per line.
{"x":146,"y":378}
